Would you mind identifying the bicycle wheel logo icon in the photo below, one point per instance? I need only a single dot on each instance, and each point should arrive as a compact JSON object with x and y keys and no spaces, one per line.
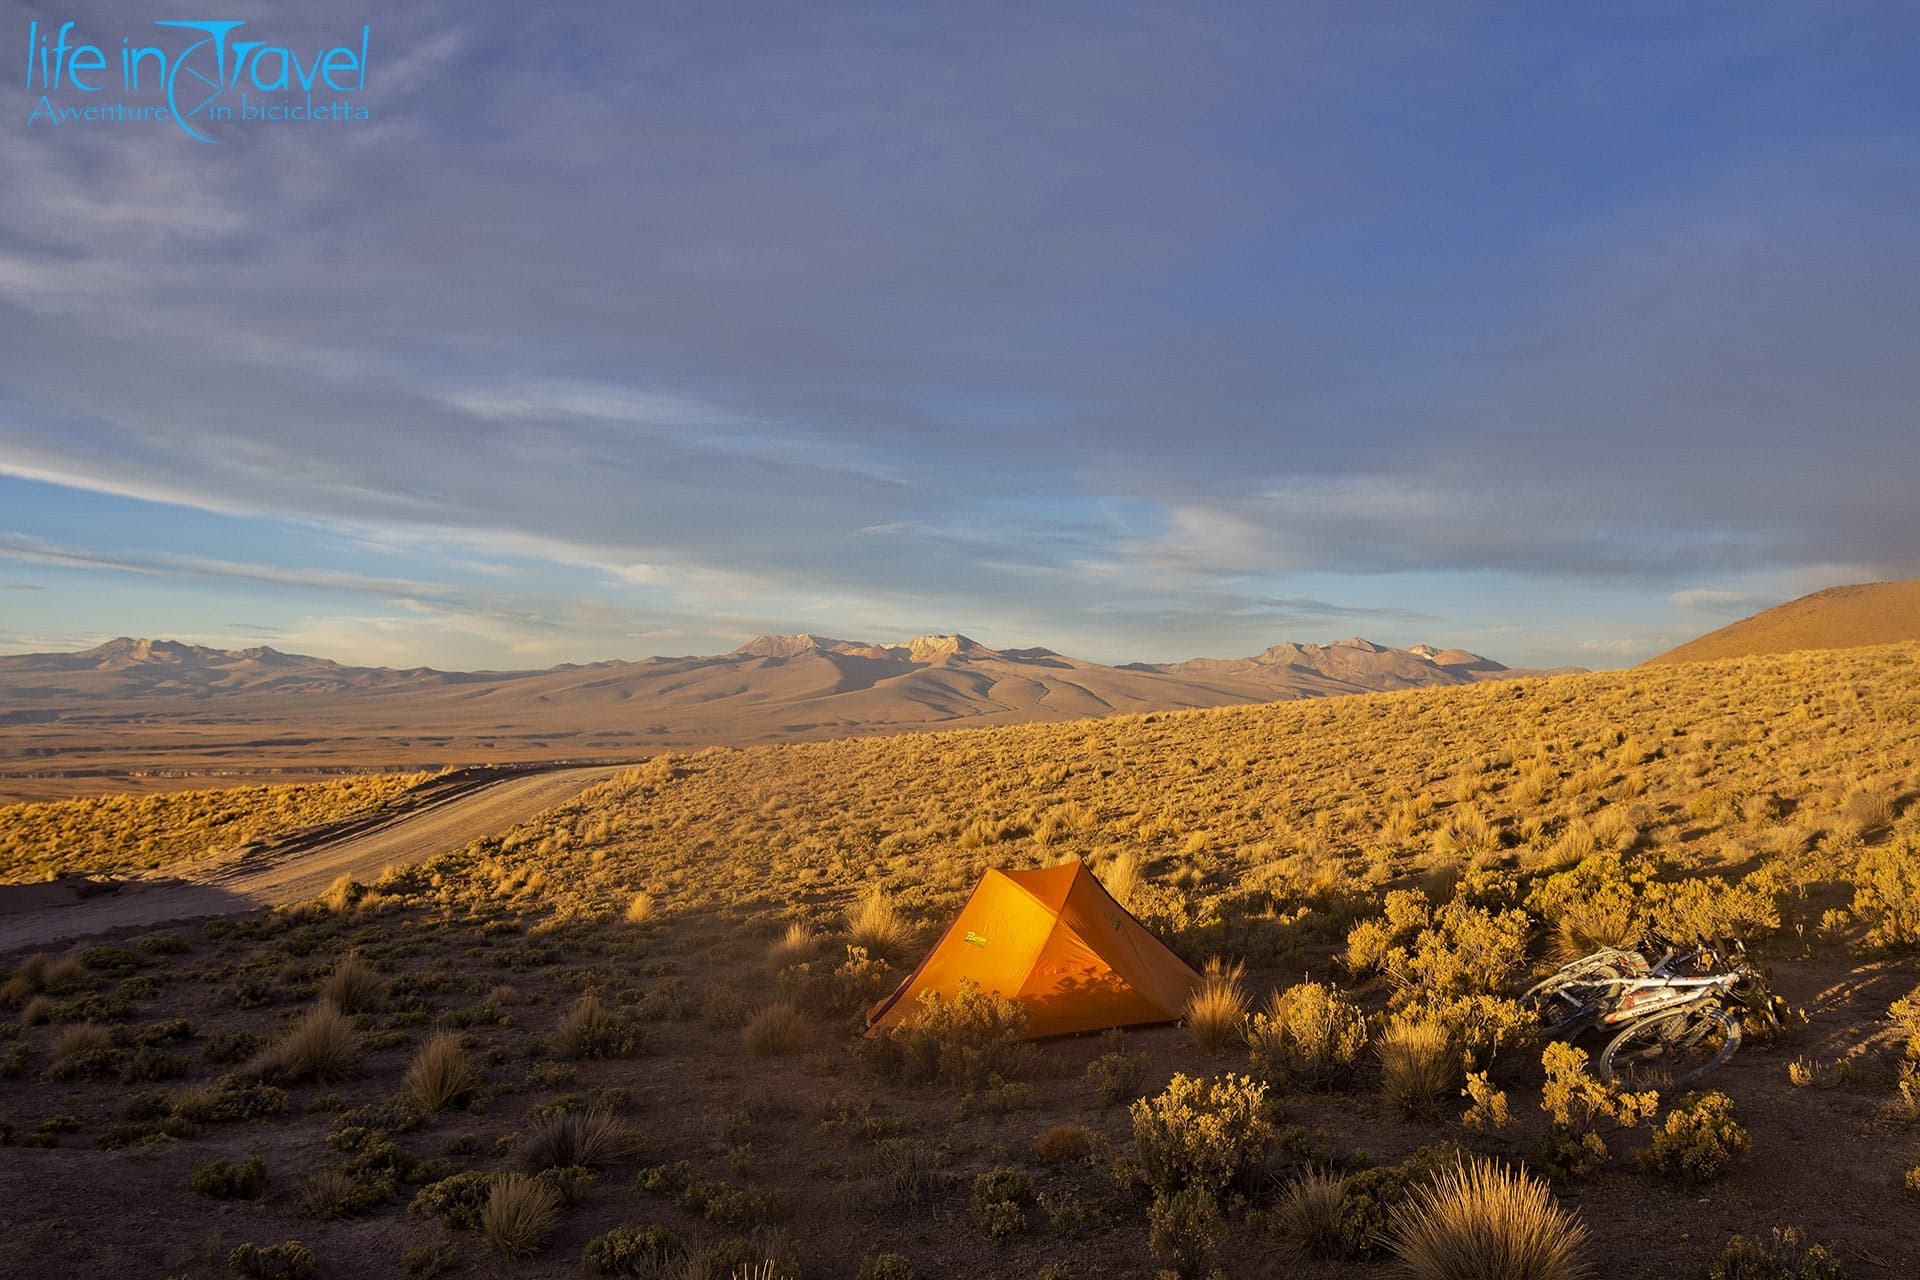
{"x":199,"y":78}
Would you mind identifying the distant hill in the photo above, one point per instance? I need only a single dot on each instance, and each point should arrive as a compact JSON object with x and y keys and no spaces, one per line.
{"x":161,"y":709}
{"x":1837,"y":618}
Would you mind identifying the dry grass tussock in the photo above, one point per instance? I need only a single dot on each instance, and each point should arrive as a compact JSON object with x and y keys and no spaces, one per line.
{"x":353,"y":986}
{"x":441,"y":1075}
{"x":1484,"y":1219}
{"x":125,"y":833}
{"x":320,"y":1046}
{"x":879,"y":926}
{"x":780,"y":1028}
{"x":1217,"y":1009}
{"x":591,"y":1139}
{"x":519,"y":1216}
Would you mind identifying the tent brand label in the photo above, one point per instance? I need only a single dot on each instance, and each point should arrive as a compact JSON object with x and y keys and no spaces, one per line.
{"x":976,"y":939}
{"x":200,"y":76}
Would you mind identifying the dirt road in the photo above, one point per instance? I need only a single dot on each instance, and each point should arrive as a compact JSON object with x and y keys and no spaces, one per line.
{"x":269,"y":878}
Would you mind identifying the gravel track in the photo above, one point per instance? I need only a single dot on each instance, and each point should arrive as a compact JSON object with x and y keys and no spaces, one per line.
{"x":268,"y":879}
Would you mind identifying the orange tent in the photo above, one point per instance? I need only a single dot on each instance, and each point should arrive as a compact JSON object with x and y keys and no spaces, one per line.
{"x":1056,"y":941}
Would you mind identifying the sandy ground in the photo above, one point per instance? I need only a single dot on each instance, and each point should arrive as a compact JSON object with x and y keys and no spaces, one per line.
{"x":299,"y":869}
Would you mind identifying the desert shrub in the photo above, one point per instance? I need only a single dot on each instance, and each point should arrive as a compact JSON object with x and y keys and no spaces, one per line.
{"x":595,"y":1137}
{"x":1202,"y":1133}
{"x":369,"y":1175}
{"x":1699,"y":1140}
{"x":1217,"y":1007}
{"x":353,"y":986}
{"x":148,"y":1063}
{"x":229,"y":1180}
{"x":1704,"y":908}
{"x":591,"y":1030}
{"x":112,"y":961}
{"x":442,"y":1074}
{"x":777,"y":1029}
{"x":1486,"y":1106}
{"x":966,"y":1040}
{"x":1309,"y":1035}
{"x":230,"y":1048}
{"x":1000,"y":1201}
{"x":910,"y":1172}
{"x":1886,"y":896}
{"x":879,"y":927}
{"x":519,"y":1215}
{"x":1596,"y":903}
{"x":570,"y":1182}
{"x":164,"y":1031}
{"x":886,"y":1266}
{"x":1419,"y":1064}
{"x":1429,"y":952}
{"x":726,"y":1206}
{"x":1063,"y":1144}
{"x":456,"y":1202}
{"x":1187,"y":1228}
{"x":1117,"y":1075}
{"x":1577,"y":1104}
{"x":320,"y":1046}
{"x":290,"y":1260}
{"x":1482,"y":1219}
{"x":228,"y":1100}
{"x":1784,"y":1256}
{"x":85,"y":1050}
{"x":335,"y":1193}
{"x":632,"y":1251}
{"x":427,"y":1261}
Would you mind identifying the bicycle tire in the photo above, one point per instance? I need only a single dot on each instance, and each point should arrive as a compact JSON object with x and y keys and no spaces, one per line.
{"x":1675,"y":1048}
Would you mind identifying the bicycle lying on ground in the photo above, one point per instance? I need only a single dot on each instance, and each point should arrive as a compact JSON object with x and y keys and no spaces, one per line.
{"x":1672,"y":1020}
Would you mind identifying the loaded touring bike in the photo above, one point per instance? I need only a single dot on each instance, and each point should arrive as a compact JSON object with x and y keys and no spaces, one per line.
{"x":1669,"y":1020}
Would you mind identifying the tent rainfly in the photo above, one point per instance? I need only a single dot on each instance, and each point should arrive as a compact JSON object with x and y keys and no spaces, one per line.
{"x":1057,"y":942}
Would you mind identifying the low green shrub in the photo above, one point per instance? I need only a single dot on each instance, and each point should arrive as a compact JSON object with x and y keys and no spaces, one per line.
{"x":1001,"y":1200}
{"x":632,"y":1251}
{"x":1699,"y":1140}
{"x":1202,"y":1133}
{"x":1577,"y":1105}
{"x":1187,"y":1228}
{"x":290,"y":1260}
{"x":962,"y":1041}
{"x":1117,"y":1075}
{"x":1784,"y":1256}
{"x":456,"y":1202}
{"x":1309,"y":1035}
{"x":229,"y":1180}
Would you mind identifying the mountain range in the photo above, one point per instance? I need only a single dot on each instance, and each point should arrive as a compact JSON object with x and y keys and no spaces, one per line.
{"x":160,"y":710}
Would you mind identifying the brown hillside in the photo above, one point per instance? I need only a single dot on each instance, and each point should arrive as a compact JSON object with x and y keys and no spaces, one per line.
{"x":1837,"y":618}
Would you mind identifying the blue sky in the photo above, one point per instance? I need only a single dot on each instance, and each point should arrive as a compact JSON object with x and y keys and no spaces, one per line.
{"x":1559,"y":332}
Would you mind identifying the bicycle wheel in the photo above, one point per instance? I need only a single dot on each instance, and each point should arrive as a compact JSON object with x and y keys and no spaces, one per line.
{"x":1676,"y":1049}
